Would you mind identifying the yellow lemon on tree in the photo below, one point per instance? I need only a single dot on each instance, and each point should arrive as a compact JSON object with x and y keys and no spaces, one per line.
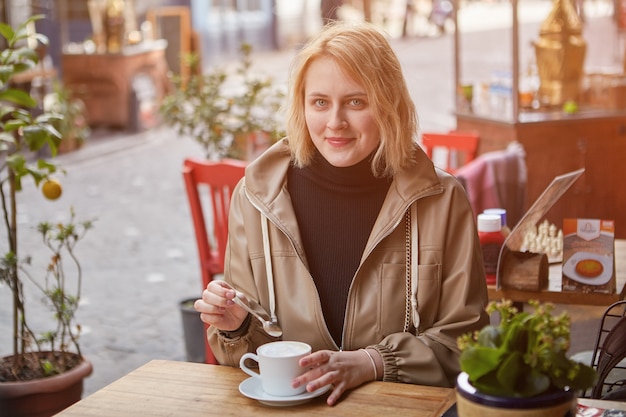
{"x":51,"y":189}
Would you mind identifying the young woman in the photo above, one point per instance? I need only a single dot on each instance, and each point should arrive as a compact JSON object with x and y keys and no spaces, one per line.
{"x":347,"y":234}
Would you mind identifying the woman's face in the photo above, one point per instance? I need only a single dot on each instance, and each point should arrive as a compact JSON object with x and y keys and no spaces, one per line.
{"x":338,"y":114}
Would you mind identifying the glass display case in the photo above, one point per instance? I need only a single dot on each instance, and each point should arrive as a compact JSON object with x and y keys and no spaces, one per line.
{"x":556,"y":139}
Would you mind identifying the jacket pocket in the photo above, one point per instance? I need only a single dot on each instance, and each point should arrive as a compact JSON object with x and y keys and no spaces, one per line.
{"x":428,"y":294}
{"x":391,"y":299}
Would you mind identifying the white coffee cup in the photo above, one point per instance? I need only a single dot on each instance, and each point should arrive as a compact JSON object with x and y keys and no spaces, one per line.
{"x":278,"y":366}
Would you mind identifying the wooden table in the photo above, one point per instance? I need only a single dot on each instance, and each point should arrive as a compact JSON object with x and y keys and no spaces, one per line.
{"x":168,"y":388}
{"x":554,"y":294}
{"x":107,"y":83}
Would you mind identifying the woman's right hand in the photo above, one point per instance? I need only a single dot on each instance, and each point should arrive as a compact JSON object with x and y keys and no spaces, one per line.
{"x":217,"y":308}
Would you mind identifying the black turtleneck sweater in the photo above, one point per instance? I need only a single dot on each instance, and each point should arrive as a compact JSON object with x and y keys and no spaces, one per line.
{"x":336,"y":209}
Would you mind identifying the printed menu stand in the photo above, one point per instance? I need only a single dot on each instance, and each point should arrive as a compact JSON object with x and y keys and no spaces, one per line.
{"x":527,"y":270}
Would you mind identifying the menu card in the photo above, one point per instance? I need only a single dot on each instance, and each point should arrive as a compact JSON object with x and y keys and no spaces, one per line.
{"x":585,"y":411}
{"x":588,"y":255}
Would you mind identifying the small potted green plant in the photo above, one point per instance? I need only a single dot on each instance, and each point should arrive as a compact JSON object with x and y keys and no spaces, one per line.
{"x":226,"y":112}
{"x":51,"y":363}
{"x":521,"y":363}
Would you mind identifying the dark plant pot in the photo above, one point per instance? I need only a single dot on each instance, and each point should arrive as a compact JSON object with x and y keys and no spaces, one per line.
{"x":46,"y":396}
{"x":193,"y":331}
{"x":471,"y":403}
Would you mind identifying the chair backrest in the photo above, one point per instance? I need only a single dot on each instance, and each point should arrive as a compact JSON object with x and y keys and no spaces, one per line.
{"x":497,"y":179}
{"x":459,"y":148}
{"x":218,"y":178}
{"x":609,"y":353}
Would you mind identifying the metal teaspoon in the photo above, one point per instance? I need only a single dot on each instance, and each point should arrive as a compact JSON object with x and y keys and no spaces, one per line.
{"x":273,"y":329}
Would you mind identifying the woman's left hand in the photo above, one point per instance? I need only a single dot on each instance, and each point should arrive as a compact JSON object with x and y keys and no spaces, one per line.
{"x":344,"y":370}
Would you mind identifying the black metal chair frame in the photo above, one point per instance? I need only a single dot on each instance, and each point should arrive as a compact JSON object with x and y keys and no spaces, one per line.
{"x":609,"y":353}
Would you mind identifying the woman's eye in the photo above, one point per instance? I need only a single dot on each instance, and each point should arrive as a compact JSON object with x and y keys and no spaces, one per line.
{"x":356,"y":102}
{"x":320,"y":102}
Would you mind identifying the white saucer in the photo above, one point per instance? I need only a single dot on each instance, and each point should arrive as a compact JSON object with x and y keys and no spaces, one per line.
{"x":251,"y":388}
{"x":569,"y":268}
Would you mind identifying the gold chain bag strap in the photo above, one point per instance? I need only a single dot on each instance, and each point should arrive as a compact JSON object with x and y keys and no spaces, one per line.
{"x":411,"y":315}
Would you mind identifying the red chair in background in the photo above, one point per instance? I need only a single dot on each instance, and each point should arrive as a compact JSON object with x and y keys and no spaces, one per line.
{"x":214,"y":180}
{"x":461,"y":147}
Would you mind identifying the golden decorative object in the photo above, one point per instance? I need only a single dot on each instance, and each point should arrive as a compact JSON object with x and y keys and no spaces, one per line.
{"x":97,"y":15}
{"x":115,"y":26}
{"x":560,"y":54}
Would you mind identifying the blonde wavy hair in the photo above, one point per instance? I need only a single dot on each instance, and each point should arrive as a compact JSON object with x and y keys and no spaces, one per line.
{"x":364,"y":53}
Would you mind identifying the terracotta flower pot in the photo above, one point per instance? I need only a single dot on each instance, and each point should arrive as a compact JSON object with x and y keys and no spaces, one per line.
{"x":472,"y":403}
{"x":46,"y":396}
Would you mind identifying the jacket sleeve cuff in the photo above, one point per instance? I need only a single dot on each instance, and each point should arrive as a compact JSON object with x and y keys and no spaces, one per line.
{"x":390,"y":368}
{"x":242,"y":330}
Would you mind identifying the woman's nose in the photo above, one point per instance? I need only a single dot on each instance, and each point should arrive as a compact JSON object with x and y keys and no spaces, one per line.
{"x":337,"y":121}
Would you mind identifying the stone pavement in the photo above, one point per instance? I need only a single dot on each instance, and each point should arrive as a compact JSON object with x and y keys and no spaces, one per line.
{"x":140,"y":260}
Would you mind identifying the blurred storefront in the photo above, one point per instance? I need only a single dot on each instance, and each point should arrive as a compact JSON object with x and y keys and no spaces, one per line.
{"x":222,"y":25}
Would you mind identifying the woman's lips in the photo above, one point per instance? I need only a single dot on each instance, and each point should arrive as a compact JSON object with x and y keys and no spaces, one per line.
{"x":338,"y":141}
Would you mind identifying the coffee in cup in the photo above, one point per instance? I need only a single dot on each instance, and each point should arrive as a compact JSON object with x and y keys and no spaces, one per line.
{"x":278,"y":366}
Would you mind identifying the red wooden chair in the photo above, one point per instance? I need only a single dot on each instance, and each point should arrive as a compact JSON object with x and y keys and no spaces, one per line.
{"x":461,"y":147}
{"x":217,"y":179}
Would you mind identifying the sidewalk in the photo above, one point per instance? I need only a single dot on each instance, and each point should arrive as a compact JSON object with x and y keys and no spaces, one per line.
{"x":140,"y":260}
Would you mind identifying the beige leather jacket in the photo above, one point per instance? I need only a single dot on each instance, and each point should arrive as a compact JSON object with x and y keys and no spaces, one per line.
{"x":448,"y":283}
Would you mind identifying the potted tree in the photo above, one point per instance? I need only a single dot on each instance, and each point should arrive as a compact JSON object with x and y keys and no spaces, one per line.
{"x":44,"y":373}
{"x":520,"y":367}
{"x":229,"y":113}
